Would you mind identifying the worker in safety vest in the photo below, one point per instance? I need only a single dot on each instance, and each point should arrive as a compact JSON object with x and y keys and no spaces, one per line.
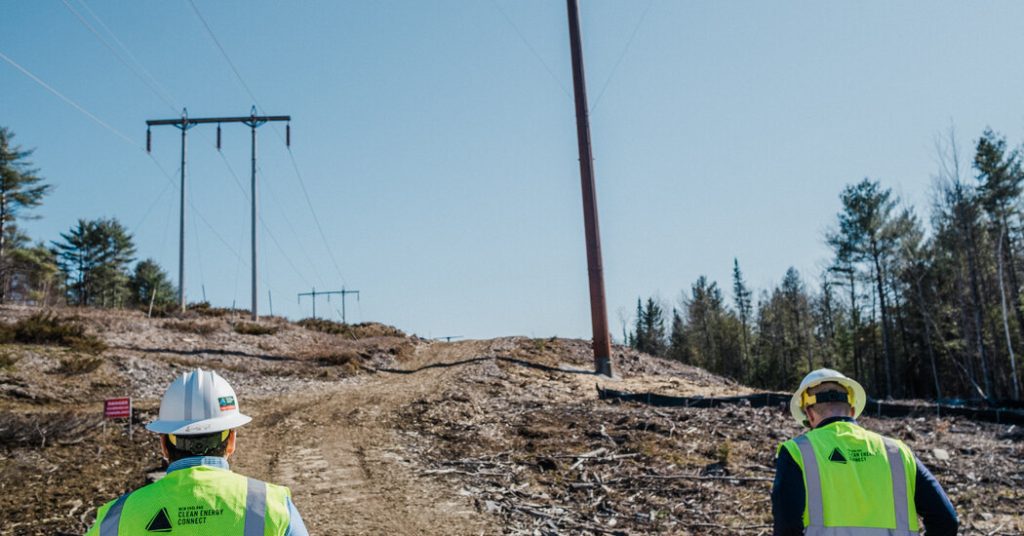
{"x":840,"y":479}
{"x":198,"y":416}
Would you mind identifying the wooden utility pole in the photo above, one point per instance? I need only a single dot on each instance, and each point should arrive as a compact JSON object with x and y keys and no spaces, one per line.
{"x":595,"y":270}
{"x":184,"y":124}
{"x":313,"y":294}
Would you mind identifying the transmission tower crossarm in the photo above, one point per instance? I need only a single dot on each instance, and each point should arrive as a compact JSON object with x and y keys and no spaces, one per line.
{"x":202,"y":120}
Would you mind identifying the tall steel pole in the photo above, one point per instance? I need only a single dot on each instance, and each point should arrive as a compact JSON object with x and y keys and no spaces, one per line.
{"x":598,"y":307}
{"x":181,"y":223}
{"x":255,"y":313}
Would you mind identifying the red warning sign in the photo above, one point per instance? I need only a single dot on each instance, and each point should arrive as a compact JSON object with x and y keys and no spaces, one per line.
{"x":117,"y":408}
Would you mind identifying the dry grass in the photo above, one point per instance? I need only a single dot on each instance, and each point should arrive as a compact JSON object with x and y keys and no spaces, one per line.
{"x":75,"y":364}
{"x":49,"y":329}
{"x":8,"y":358}
{"x":191,"y":326}
{"x":253,"y":328}
{"x":206,"y":310}
{"x":363,"y":330}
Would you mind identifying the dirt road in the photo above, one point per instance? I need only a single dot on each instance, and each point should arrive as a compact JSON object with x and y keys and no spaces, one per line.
{"x":345,"y":461}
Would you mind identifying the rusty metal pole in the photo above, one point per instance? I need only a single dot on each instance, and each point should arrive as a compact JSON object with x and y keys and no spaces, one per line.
{"x":595,"y":270}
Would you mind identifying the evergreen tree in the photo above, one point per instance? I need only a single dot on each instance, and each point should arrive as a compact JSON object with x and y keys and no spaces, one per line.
{"x":677,"y":347}
{"x":94,"y":257}
{"x":741,"y":300}
{"x":20,"y":189}
{"x":650,"y":328}
{"x":869,"y":234}
{"x":149,"y":284}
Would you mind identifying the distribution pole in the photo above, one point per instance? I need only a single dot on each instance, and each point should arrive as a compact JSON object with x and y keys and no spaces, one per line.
{"x":184,"y":123}
{"x":184,"y":126}
{"x":313,"y":294}
{"x":595,"y":270}
{"x":253,"y":123}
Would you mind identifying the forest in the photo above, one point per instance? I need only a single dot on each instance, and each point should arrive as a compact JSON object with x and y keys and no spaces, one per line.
{"x":922,"y":304}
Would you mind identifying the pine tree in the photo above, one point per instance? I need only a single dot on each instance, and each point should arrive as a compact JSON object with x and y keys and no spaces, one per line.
{"x":741,"y":300}
{"x":149,"y":284}
{"x":20,"y":189}
{"x":94,"y":256}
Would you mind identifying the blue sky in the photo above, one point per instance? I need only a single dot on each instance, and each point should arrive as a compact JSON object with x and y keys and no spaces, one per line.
{"x":436,"y":140}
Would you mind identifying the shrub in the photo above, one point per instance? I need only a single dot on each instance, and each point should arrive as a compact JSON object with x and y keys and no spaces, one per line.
{"x":354,"y":331}
{"x":80,"y":364}
{"x":723,"y":452}
{"x":252,"y":328}
{"x":8,"y":359}
{"x":45,"y":328}
{"x":6,"y":333}
{"x":191,"y":326}
{"x":337,"y":358}
{"x":205,"y":309}
{"x":88,"y":344}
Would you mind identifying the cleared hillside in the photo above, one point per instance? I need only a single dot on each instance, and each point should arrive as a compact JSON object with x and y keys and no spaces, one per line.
{"x":379,"y":433}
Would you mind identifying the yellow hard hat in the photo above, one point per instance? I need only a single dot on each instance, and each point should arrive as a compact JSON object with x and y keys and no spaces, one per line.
{"x":855,"y":393}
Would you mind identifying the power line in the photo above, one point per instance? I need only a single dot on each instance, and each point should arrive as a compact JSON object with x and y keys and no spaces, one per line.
{"x":621,"y":56}
{"x":291,"y":156}
{"x":222,"y":51}
{"x":163,"y":93}
{"x":72,"y":103}
{"x":533,"y":50}
{"x":107,"y":126}
{"x":263,"y":222}
{"x":312,"y":212}
{"x":298,"y":241}
{"x":116,"y":54}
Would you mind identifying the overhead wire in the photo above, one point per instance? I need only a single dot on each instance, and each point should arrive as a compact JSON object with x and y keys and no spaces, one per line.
{"x":198,"y":250}
{"x":156,"y":90}
{"x":152,"y":205}
{"x":263,"y":223}
{"x":536,"y":54}
{"x":295,"y":166}
{"x":288,"y":223}
{"x":119,"y":134}
{"x":156,"y":86}
{"x":625,"y":49}
{"x":68,"y":101}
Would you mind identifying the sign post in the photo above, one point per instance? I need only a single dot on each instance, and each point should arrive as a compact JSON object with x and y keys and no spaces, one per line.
{"x":119,"y":408}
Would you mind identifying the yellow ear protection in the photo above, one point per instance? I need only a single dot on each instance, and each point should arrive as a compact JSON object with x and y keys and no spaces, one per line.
{"x":827,"y":396}
{"x":199,"y":443}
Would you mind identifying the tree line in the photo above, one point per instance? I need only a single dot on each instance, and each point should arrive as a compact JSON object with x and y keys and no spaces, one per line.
{"x":912,"y":306}
{"x":92,"y":264}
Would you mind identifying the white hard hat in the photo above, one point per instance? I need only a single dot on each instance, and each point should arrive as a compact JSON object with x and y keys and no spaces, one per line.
{"x":196,"y":403}
{"x":857,"y":397}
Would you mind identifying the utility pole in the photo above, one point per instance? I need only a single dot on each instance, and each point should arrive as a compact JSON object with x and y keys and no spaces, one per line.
{"x":184,"y":124}
{"x":595,"y":270}
{"x":313,"y":294}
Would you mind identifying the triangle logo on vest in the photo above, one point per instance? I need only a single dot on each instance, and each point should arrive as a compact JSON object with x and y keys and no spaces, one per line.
{"x":837,"y":456}
{"x":160,"y":522}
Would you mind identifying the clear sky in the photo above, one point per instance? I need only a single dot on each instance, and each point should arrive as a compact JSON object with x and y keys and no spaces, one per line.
{"x":436,"y":140}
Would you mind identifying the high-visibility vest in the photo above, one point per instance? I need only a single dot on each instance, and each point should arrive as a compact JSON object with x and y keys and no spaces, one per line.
{"x":857,"y":482}
{"x":197,"y":500}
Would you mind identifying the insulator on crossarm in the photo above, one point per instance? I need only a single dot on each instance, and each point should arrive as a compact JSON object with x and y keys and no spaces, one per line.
{"x":288,"y":135}
{"x":149,"y":141}
{"x":218,"y":136}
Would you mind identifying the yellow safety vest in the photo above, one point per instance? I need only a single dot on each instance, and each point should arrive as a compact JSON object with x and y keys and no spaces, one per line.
{"x":857,"y":482}
{"x":194,"y":501}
